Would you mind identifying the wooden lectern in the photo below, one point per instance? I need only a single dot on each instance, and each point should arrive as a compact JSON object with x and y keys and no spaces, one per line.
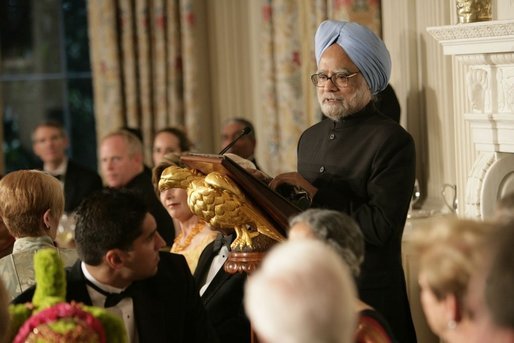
{"x":271,"y":204}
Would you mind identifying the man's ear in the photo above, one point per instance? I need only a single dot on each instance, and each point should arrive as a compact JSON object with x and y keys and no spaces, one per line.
{"x":115,"y":258}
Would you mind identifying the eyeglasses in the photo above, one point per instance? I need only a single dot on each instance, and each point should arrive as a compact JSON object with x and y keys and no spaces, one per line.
{"x":340,"y":80}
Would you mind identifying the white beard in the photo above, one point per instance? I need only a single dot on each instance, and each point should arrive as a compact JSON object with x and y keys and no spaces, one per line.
{"x":346,"y":106}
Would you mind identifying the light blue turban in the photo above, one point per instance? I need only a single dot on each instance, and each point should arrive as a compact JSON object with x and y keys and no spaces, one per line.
{"x":365,"y":49}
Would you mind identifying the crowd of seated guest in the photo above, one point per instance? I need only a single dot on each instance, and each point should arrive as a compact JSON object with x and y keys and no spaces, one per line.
{"x":465,"y":270}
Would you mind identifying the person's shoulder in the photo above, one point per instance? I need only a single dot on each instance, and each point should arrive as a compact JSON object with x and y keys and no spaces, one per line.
{"x":388,"y":127}
{"x":171,"y":262}
{"x":74,"y":165}
{"x":141,"y":182}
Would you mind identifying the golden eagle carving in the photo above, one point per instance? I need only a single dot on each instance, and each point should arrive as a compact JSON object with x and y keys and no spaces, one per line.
{"x":216,"y":199}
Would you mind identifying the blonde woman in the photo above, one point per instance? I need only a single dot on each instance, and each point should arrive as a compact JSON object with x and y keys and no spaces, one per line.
{"x":32,"y":204}
{"x":193,"y":234}
{"x":449,"y":254}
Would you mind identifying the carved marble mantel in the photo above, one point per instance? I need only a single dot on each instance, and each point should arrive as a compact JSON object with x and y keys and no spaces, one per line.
{"x":483,"y":74}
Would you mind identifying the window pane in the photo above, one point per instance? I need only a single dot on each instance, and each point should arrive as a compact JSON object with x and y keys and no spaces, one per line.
{"x":25,"y":104}
{"x":29,"y":37}
{"x":76,"y":37}
{"x":82,"y":133}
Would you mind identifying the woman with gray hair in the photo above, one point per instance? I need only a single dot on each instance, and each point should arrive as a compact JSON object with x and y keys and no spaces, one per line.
{"x":342,"y":233}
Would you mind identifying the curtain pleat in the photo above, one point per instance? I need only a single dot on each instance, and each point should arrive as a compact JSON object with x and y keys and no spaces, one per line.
{"x":106,"y":65}
{"x":146,"y":67}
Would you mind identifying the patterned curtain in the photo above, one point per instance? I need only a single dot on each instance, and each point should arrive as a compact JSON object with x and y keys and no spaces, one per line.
{"x":146,"y":68}
{"x":287,"y":59}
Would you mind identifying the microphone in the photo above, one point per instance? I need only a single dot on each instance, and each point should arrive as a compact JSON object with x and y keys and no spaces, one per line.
{"x":244,"y":132}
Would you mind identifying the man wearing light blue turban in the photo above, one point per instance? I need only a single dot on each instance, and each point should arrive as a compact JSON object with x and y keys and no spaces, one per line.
{"x":360,"y":162}
{"x":364,"y":48}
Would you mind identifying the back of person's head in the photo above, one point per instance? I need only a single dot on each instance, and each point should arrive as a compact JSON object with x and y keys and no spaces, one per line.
{"x":449,"y":254}
{"x":303,"y":292}
{"x":108,"y":219}
{"x":26,"y":196}
{"x":339,"y":231}
{"x":505,"y":208}
{"x":499,"y":289}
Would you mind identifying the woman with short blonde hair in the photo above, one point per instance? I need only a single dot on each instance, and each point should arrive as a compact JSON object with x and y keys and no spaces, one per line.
{"x":450,"y":251}
{"x":31,"y":207}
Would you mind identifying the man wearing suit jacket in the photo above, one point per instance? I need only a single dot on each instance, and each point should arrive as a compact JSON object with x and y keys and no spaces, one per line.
{"x":121,"y":163}
{"x":360,"y":162}
{"x":222,"y":293}
{"x":49,"y":143}
{"x":121,"y":269}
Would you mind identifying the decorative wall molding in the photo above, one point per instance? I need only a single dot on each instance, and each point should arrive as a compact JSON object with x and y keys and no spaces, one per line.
{"x":483,"y":73}
{"x":472,"y":38}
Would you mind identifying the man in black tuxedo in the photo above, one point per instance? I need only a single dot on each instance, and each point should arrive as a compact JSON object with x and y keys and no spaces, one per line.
{"x":49,"y":143}
{"x":121,"y":163}
{"x":121,"y":269}
{"x":222,"y":293}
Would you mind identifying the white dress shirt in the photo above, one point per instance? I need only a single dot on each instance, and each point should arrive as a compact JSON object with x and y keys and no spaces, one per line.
{"x":124,"y":309}
{"x":217,"y":263}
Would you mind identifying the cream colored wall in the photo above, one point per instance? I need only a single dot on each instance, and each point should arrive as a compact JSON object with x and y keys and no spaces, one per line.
{"x":422,"y":79}
{"x":233,"y":49}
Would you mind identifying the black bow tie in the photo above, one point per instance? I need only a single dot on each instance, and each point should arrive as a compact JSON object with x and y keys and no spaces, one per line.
{"x":59,"y":177}
{"x":221,"y":241}
{"x":111,"y":299}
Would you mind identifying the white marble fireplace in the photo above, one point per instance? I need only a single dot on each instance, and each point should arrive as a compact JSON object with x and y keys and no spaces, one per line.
{"x":483,"y":96}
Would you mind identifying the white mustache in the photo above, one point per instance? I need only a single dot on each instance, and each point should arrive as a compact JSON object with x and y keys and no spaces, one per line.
{"x":332,"y":98}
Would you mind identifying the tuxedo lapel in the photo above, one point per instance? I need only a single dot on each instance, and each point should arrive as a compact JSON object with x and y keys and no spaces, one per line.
{"x":76,"y":289}
{"x":219,"y":279}
{"x":204,"y":264}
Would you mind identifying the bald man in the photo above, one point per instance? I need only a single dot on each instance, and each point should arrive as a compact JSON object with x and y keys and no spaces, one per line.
{"x":360,"y":162}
